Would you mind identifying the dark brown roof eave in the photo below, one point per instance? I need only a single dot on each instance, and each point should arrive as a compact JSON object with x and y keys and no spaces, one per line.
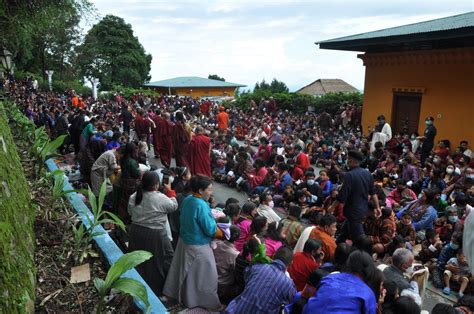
{"x":386,"y":43}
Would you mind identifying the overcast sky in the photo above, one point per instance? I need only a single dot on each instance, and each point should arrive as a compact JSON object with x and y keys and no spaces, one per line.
{"x":246,"y":41}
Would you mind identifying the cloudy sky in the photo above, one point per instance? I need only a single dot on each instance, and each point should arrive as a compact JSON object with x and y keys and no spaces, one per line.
{"x":246,"y":41}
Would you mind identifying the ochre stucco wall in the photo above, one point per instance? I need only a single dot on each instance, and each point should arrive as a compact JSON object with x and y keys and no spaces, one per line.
{"x":199,"y":92}
{"x":444,"y":77}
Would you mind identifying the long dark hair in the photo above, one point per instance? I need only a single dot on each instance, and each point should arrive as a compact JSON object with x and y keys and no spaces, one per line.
{"x":375,"y":283}
{"x":361,"y":263}
{"x":257,"y":225}
{"x":128,"y":151}
{"x":430,"y":195}
{"x":250,"y":247}
{"x":274,"y":231}
{"x":248,"y":208}
{"x":150,"y":179}
{"x":199,"y":182}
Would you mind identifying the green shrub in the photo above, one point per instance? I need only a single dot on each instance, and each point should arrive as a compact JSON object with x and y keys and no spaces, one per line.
{"x":124,"y":285}
{"x":128,"y":92}
{"x":298,"y":102}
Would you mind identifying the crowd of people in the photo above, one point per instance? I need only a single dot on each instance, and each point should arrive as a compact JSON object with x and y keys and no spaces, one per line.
{"x":334,"y":221}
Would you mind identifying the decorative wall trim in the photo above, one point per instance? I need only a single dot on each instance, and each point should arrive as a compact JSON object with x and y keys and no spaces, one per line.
{"x":408,"y":89}
{"x":428,"y":57}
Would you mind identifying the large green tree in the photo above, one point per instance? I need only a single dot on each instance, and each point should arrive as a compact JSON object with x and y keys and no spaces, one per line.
{"x":42,"y":34}
{"x":275,"y":86}
{"x":216,"y":77}
{"x":112,"y":54}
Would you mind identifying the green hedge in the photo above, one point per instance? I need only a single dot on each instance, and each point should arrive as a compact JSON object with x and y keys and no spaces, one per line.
{"x":128,"y":92}
{"x":17,"y":270}
{"x":300,"y":102}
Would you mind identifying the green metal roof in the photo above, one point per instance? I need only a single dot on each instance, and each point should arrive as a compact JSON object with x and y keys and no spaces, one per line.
{"x":441,"y":24}
{"x":446,"y":28}
{"x":191,"y":81}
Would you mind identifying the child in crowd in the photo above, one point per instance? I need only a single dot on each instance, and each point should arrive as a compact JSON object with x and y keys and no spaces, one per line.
{"x":406,"y":230}
{"x":449,"y":251}
{"x":225,"y":256}
{"x":430,"y":249}
{"x":457,"y":270}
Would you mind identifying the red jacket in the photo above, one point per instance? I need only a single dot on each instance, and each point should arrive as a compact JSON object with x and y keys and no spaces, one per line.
{"x":302,"y":161}
{"x":301,"y":267}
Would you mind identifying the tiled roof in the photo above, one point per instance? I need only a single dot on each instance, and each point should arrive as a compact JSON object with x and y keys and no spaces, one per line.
{"x":323,"y":86}
{"x":192,"y":81}
{"x":441,"y":24}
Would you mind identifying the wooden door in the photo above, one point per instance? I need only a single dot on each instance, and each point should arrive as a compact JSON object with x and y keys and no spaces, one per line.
{"x":406,"y":112}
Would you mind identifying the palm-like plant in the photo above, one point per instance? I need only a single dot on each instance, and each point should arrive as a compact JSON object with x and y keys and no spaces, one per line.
{"x":125,"y":285}
{"x":99,"y":215}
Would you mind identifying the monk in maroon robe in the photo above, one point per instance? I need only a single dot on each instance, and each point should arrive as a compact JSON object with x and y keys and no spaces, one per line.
{"x":156,"y":133}
{"x":199,"y":154}
{"x":166,"y":146}
{"x":181,"y":139}
{"x":142,"y":127}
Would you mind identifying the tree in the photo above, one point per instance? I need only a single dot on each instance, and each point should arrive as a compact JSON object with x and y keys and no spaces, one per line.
{"x":41,"y":34}
{"x":274,"y":87}
{"x":216,"y":77}
{"x":112,"y":54}
{"x":278,"y":87}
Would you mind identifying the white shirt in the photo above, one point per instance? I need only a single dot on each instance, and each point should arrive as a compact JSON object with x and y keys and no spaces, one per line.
{"x":267,"y":212}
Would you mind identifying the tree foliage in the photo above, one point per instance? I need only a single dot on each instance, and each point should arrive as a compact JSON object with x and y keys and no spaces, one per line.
{"x":216,"y":77}
{"x":275,"y":86}
{"x":42,"y":34}
{"x":128,"y":92}
{"x":112,"y":54}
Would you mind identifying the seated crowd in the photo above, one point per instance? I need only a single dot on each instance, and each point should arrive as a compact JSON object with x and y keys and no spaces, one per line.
{"x":290,"y":246}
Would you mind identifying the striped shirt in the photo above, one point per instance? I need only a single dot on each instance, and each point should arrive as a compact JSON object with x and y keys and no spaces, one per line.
{"x":380,"y":230}
{"x":267,"y":288}
{"x":293,"y":229}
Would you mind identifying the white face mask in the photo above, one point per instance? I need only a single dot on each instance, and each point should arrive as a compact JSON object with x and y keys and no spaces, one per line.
{"x":409,"y":270}
{"x":271,"y":204}
{"x":449,"y":170}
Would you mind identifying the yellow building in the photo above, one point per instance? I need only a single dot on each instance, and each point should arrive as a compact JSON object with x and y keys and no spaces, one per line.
{"x":418,"y":70}
{"x":195,"y":87}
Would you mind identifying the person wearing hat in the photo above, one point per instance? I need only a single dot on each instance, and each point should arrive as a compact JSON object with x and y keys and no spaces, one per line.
{"x":428,"y":139}
{"x":222,"y":119}
{"x":357,"y":185}
{"x":382,"y":133}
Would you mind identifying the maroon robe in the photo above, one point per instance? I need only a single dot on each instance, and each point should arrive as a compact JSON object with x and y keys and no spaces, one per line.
{"x":166,"y":141}
{"x":157,"y":135}
{"x":181,"y":145}
{"x":199,"y":155}
{"x":142,"y":128}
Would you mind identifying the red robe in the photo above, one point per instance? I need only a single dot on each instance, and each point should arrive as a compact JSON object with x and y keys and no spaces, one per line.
{"x":302,"y":161}
{"x":166,"y":141}
{"x":199,"y":155}
{"x":142,"y":127}
{"x":157,"y":135}
{"x":181,"y":145}
{"x":297,"y":174}
{"x":205,"y":108}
